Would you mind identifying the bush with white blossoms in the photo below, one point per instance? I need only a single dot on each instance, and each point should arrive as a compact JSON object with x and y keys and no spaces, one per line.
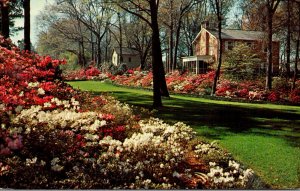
{"x":148,"y":158}
{"x":65,"y":148}
{"x":224,"y":172}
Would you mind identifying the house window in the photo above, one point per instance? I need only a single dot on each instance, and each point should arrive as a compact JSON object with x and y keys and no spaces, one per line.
{"x":265,"y":47}
{"x":129,"y":59}
{"x":203,"y":66}
{"x":229,"y":45}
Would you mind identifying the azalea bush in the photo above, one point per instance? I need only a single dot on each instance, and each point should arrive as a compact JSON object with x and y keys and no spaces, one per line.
{"x":90,"y":73}
{"x":54,"y":137}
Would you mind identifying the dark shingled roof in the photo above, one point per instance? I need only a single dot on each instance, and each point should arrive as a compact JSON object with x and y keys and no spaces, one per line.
{"x":231,"y":34}
{"x":240,"y":34}
{"x":126,"y":51}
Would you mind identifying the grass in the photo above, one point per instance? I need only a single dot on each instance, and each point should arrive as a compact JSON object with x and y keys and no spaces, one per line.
{"x":264,"y":137}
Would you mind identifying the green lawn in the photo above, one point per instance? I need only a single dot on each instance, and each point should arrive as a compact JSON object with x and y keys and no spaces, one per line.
{"x":264,"y":137}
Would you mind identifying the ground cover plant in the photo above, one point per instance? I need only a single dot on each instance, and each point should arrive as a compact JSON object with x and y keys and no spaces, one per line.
{"x":264,"y":137}
{"x":52,"y":136}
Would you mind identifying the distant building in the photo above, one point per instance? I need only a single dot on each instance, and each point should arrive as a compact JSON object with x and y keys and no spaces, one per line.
{"x":206,"y":48}
{"x":129,"y":56}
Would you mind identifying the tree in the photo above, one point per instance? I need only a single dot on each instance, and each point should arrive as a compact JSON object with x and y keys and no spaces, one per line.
{"x":288,"y":38}
{"x":271,"y":6}
{"x":175,"y":11}
{"x":138,"y":37}
{"x":184,"y":8}
{"x":148,"y":12}
{"x":15,"y":10}
{"x":97,"y":20}
{"x":191,"y":24}
{"x":297,"y":47}
{"x":217,"y":6}
{"x":260,"y":15}
{"x":5,"y":18}
{"x":119,"y":27}
{"x":67,"y":35}
{"x":27,"y":43}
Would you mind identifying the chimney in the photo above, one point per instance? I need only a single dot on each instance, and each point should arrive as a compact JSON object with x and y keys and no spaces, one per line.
{"x":205,"y":24}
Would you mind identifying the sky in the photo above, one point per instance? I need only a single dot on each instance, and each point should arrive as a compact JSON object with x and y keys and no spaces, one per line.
{"x":36,"y":6}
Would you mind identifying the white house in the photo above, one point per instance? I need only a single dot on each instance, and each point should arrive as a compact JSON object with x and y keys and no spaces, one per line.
{"x":130,"y":57}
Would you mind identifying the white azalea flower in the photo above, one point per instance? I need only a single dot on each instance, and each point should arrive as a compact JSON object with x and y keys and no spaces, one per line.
{"x":47,"y":104}
{"x":57,"y":168}
{"x":41,"y":91}
{"x":33,"y":84}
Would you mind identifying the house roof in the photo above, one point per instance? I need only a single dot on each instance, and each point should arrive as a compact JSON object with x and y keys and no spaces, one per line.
{"x":231,"y":34}
{"x":126,"y":51}
{"x":239,"y":34}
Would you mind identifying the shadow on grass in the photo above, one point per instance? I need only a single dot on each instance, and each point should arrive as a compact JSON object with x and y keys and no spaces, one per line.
{"x":220,"y":120}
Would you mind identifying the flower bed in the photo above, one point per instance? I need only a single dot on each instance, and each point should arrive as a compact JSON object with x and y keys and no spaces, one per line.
{"x":90,"y":73}
{"x":52,"y":136}
{"x":201,"y":85}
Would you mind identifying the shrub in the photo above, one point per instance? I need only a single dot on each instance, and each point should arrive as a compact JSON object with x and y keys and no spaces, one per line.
{"x":241,"y":63}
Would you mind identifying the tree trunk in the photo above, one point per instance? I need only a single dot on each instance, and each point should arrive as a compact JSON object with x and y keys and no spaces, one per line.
{"x":159,"y":81}
{"x":143,"y":56}
{"x":107,"y":43}
{"x":5,"y":20}
{"x":297,"y":52}
{"x":83,"y":54}
{"x":171,"y":48}
{"x":288,"y":40}
{"x":171,"y":39}
{"x":27,"y":43}
{"x":220,"y":52}
{"x":92,"y":47}
{"x":121,"y":40}
{"x":99,"y":60}
{"x":191,"y":50}
{"x":269,"y":51}
{"x":177,"y":43}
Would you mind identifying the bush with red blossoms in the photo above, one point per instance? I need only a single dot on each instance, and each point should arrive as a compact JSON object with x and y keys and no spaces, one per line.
{"x":90,"y":73}
{"x":27,"y":79}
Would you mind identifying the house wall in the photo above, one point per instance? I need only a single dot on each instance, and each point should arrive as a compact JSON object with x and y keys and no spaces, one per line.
{"x":132,"y":61}
{"x":206,"y":44}
{"x":260,"y":48}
